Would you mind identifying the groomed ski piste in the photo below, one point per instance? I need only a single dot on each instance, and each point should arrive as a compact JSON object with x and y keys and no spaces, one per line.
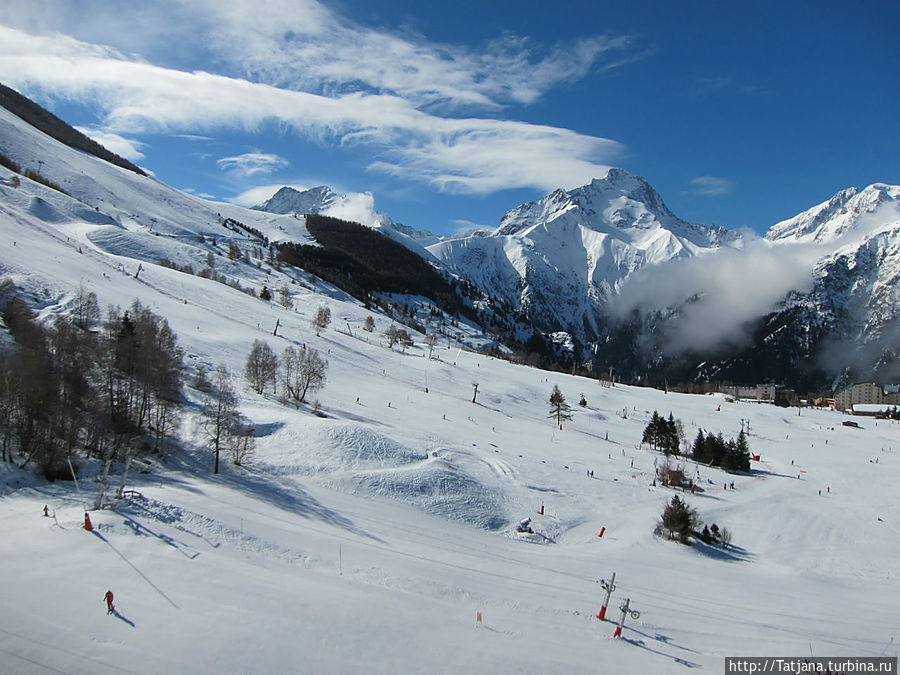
{"x":372,"y":530}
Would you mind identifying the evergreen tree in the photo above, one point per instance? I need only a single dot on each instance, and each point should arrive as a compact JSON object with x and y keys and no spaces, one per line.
{"x":698,"y":449}
{"x":558,"y":406}
{"x":678,"y":521}
{"x":669,"y":435}
{"x":651,"y":431}
{"x":737,"y":457}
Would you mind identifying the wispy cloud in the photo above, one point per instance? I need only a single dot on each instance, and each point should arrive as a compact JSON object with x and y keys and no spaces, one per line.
{"x":471,"y":155}
{"x":252,"y":163}
{"x":323,"y":76}
{"x":710,"y":186}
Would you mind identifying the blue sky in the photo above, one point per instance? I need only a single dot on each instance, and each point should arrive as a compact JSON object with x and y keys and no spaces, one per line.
{"x":446,"y":115}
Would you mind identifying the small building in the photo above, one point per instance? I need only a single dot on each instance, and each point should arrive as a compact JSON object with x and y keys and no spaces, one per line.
{"x":870,"y":409}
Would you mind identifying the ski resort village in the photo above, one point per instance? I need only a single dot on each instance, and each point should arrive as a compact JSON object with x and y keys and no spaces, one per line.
{"x":280,"y":439}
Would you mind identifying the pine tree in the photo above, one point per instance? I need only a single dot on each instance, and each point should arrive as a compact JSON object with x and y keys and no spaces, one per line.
{"x":651,"y":431}
{"x":738,"y":455}
{"x":698,"y":450}
{"x":678,"y":521}
{"x":669,"y":435}
{"x":558,"y":406}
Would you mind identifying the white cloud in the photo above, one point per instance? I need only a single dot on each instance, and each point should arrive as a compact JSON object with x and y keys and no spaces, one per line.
{"x":304,"y":45}
{"x":252,"y":163}
{"x":718,"y":293}
{"x":711,"y":186}
{"x":357,"y":207}
{"x":470,"y":155}
{"x":124,"y":147}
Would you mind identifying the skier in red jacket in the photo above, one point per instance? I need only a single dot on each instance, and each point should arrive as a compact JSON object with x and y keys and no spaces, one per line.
{"x":109,"y":602}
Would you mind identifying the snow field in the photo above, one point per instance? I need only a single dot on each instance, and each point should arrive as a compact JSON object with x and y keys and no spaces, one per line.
{"x":365,"y":538}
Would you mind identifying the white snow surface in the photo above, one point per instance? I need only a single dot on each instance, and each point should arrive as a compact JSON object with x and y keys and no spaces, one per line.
{"x":368,"y":537}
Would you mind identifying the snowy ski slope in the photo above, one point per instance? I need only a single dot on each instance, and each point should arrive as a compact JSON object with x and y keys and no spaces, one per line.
{"x":366,"y":538}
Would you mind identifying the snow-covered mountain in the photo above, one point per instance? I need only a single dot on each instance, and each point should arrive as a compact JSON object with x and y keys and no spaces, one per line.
{"x":290,"y":200}
{"x":851,"y":214}
{"x":323,"y":200}
{"x":854,"y":303}
{"x":560,"y":259}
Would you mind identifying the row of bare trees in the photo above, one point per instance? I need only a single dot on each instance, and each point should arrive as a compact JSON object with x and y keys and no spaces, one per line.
{"x":300,"y":372}
{"x":107,"y":389}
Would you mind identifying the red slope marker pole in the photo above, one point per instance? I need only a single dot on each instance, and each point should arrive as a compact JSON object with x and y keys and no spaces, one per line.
{"x":609,"y":587}
{"x":626,"y":610}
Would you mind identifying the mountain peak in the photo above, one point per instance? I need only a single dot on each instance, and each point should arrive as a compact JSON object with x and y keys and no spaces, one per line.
{"x":619,"y":200}
{"x":291,"y":200}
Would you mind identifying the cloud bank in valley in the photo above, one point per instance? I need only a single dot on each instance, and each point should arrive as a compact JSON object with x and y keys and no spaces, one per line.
{"x":715,"y":295}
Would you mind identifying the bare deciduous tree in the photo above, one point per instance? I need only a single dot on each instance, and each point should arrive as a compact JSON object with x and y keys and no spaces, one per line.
{"x":219,"y":413}
{"x":284,"y":297}
{"x":321,"y":318}
{"x":303,"y":372}
{"x":396,"y":335}
{"x":726,"y":537}
{"x":240,"y":442}
{"x":86,"y":310}
{"x":261,"y":366}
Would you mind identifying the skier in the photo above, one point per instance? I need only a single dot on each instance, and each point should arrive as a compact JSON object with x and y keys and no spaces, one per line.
{"x":110,"y":608}
{"x":46,"y":511}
